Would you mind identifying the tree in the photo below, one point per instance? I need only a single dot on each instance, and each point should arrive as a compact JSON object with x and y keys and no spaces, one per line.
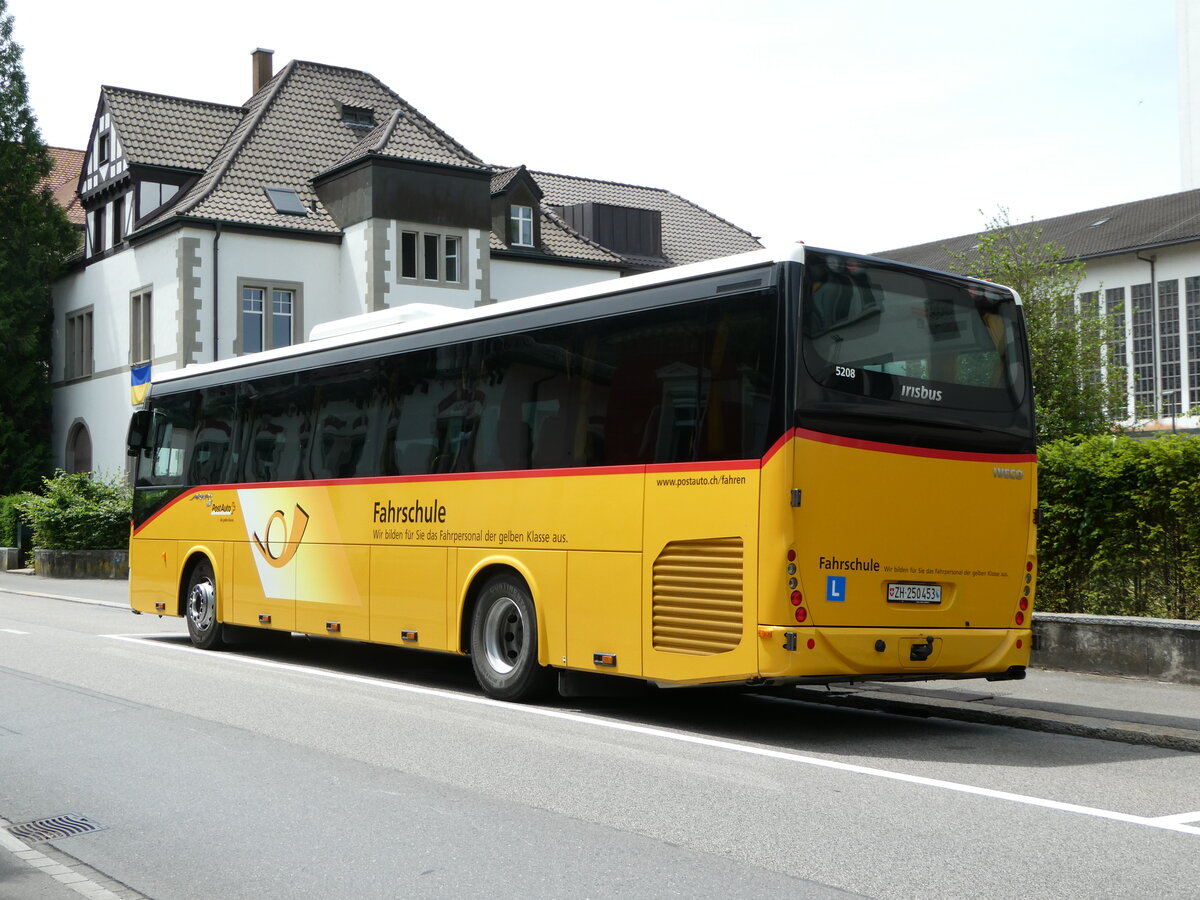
{"x":1069,"y":337}
{"x":35,"y":239}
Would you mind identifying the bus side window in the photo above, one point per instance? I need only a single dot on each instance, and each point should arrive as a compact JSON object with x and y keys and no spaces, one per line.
{"x":277,"y":431}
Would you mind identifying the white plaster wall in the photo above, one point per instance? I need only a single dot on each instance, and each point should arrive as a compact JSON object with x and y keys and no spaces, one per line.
{"x":317,"y":265}
{"x":103,"y":406}
{"x":512,"y":279}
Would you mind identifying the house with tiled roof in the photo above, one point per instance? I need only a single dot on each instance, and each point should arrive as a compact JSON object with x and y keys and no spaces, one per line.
{"x":63,"y":182}
{"x":215,"y":230}
{"x":1142,"y":262}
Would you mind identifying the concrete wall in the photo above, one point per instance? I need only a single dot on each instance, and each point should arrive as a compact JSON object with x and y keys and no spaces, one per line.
{"x":1157,"y":649}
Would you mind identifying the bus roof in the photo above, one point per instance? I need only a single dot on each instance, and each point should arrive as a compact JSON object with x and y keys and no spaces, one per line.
{"x":416,"y":317}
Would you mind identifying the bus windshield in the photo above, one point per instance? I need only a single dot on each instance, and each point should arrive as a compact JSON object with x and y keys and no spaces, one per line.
{"x":889,"y":341}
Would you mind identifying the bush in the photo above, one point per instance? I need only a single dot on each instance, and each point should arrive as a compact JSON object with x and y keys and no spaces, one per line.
{"x":1121,"y":526}
{"x":8,"y":519}
{"x":79,"y":512}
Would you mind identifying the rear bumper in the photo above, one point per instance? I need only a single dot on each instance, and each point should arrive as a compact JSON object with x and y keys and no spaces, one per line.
{"x":825,"y":655}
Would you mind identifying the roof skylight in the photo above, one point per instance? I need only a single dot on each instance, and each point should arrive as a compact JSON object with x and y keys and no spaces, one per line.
{"x":286,"y":201}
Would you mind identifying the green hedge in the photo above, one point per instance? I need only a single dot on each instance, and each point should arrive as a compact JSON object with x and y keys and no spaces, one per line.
{"x":1120,"y":528}
{"x":79,"y":512}
{"x":8,"y":520}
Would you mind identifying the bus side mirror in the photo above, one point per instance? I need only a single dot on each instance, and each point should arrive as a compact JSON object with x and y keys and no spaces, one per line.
{"x":138,"y":438}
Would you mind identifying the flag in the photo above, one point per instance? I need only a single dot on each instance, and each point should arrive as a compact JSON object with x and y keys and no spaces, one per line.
{"x":139,"y":383}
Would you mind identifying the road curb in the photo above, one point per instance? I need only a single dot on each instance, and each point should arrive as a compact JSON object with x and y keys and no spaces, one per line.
{"x":1167,"y":737}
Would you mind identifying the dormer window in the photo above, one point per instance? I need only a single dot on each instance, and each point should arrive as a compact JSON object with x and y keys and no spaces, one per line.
{"x":522,"y":225}
{"x":358,"y":116}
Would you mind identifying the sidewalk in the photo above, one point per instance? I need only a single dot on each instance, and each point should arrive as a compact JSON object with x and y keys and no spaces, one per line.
{"x":1130,"y":710}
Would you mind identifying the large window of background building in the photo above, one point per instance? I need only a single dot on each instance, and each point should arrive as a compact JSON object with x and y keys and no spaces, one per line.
{"x":1192,"y":299}
{"x":1141,"y":298}
{"x":140,"y":349}
{"x":1170,"y":366}
{"x":270,"y":315}
{"x":78,"y":344}
{"x":1114,"y":308}
{"x":522,"y":226}
{"x":430,"y":256}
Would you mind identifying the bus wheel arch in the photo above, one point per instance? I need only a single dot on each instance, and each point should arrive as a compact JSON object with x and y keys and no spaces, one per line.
{"x":501,"y":632}
{"x":198,"y":602}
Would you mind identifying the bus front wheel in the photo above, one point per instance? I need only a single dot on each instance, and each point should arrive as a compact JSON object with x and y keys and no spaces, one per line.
{"x":201,"y":608}
{"x":504,"y":642}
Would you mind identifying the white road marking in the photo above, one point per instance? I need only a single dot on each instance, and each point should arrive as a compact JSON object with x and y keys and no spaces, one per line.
{"x":13,"y":631}
{"x":1180,"y":818}
{"x":1165,"y":823}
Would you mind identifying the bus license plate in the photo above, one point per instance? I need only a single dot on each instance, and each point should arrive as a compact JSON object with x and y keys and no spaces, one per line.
{"x":914,"y":593}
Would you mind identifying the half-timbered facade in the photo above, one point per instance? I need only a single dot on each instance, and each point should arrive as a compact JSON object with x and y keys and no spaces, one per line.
{"x":217,"y":230}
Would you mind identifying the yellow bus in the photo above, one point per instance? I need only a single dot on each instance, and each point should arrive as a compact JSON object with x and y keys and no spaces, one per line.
{"x":791,"y":467}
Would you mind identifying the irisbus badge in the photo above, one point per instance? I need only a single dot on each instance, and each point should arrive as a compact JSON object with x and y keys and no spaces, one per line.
{"x":1014,"y":474}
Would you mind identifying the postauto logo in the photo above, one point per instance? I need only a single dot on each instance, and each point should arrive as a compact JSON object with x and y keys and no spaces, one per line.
{"x":278,"y":535}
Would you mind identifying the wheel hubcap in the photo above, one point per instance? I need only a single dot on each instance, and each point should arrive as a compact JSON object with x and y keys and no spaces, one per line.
{"x":202,"y":606}
{"x":503,"y":635}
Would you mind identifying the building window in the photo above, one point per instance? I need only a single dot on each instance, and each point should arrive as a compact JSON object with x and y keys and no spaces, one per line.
{"x":1142,"y":301}
{"x":452,"y":271}
{"x":522,"y":226}
{"x":98,"y":230}
{"x":433,"y":246}
{"x":431,"y":257}
{"x":78,"y":345}
{"x":118,"y":221}
{"x":152,"y":194}
{"x":408,"y":254}
{"x":139,"y":327}
{"x":270,"y":316}
{"x":102,"y":149}
{"x":1170,"y":366}
{"x":358,"y":116}
{"x":1192,"y":298}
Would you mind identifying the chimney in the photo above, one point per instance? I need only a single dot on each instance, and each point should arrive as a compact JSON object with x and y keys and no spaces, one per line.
{"x":262,"y":67}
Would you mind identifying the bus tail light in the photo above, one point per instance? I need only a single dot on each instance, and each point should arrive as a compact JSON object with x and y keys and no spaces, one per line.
{"x":1020,"y":618}
{"x":801,"y":613}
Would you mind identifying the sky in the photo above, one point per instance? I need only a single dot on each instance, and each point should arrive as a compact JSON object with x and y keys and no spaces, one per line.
{"x":859,"y":125}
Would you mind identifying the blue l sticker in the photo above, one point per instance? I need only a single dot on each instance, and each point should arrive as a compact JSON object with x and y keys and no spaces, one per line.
{"x":835,"y":588}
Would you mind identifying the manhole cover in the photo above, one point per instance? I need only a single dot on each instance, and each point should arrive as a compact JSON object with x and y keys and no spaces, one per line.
{"x":55,"y":827}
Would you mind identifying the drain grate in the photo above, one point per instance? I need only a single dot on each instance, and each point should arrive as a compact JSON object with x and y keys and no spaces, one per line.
{"x":55,"y":827}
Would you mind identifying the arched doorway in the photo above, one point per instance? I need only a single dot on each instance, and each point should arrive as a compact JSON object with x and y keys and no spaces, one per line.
{"x":79,"y":448}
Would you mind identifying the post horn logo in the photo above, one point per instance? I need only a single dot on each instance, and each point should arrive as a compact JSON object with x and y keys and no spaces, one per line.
{"x":290,"y":543}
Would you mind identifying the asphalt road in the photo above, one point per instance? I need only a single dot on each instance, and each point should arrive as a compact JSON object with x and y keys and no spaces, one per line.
{"x":328,"y":769}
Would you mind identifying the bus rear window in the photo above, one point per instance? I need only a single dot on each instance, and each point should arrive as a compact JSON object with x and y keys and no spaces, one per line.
{"x":914,"y":337}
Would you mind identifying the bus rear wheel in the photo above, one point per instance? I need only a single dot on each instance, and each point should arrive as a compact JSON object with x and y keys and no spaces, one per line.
{"x":504,"y":642}
{"x":201,"y":608}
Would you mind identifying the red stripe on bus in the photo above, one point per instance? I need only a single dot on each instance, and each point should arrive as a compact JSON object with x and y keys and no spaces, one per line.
{"x":925,"y":452}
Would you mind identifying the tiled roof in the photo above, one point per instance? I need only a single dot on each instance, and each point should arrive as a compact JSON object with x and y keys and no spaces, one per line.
{"x":406,"y":134}
{"x":690,"y":233}
{"x":1105,"y":231}
{"x":157,"y":130}
{"x":291,"y":131}
{"x":63,"y":182}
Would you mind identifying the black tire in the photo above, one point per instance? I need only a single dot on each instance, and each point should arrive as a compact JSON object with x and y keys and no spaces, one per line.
{"x":200,"y":608}
{"x":504,"y":642}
